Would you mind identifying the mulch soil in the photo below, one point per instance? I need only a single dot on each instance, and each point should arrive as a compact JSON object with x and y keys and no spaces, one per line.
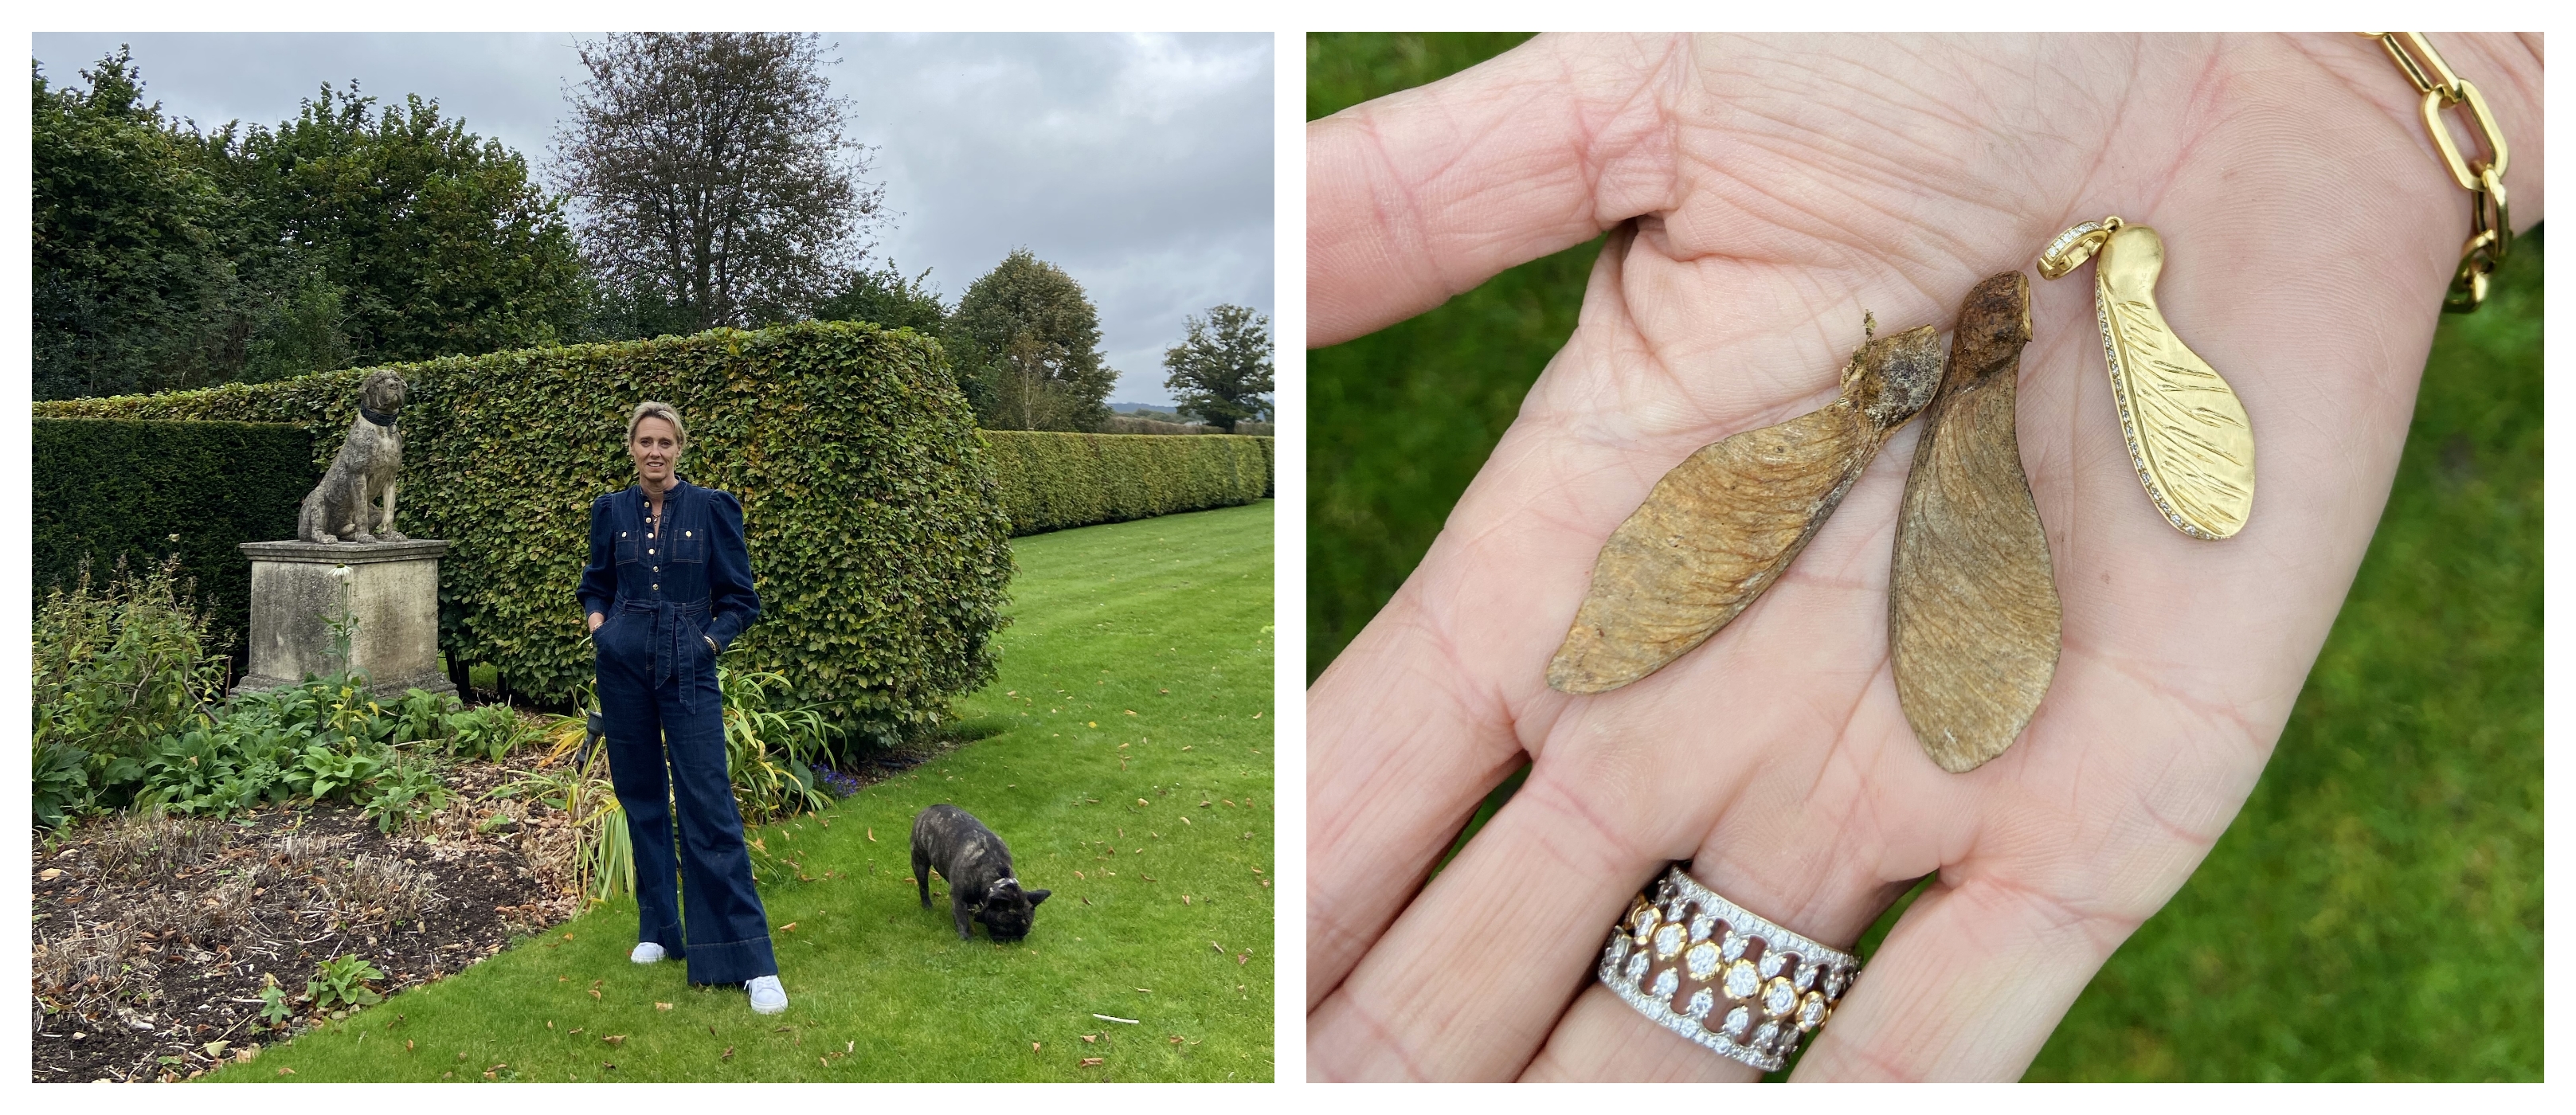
{"x":153,"y":936}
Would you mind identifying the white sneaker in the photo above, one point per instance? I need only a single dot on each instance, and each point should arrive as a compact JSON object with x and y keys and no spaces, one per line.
{"x":646,"y":953}
{"x":766,"y":996}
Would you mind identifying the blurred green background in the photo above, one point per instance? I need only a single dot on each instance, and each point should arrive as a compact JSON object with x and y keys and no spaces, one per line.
{"x":2372,"y":914}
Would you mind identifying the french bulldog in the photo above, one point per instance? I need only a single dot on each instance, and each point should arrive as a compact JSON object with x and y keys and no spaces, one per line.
{"x":977,"y":866}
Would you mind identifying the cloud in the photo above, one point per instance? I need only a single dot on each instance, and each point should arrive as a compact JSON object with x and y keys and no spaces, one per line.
{"x":1141,"y":164}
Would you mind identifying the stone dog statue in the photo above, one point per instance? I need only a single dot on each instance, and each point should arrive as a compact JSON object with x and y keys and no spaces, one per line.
{"x":344,"y":506}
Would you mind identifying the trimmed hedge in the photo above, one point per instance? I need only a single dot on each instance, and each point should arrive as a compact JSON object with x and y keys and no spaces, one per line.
{"x":142,"y":490}
{"x":877,"y":534}
{"x":1052,"y":481}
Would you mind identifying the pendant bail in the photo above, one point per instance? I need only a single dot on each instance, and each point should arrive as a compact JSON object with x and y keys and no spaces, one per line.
{"x":2075,"y":245}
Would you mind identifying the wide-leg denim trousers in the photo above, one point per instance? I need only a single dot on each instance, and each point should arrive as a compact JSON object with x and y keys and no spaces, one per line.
{"x":664,"y":722}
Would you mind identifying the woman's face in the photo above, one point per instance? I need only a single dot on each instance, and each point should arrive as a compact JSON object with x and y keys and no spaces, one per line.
{"x":656,"y":449}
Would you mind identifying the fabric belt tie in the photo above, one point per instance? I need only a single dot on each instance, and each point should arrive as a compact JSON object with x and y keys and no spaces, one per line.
{"x":671,"y":653}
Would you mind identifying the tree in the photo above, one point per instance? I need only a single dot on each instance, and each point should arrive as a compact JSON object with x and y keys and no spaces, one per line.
{"x":132,"y":287}
{"x":441,"y":242}
{"x":884,"y":296}
{"x":1026,"y":343}
{"x":1222,"y":369}
{"x":714,"y":176}
{"x":167,"y":258}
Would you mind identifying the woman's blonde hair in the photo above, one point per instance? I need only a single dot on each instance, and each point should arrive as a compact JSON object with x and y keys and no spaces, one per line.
{"x":650,"y":409}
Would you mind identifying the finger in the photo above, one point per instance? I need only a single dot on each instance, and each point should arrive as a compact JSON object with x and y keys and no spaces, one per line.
{"x":1417,"y":196}
{"x":1467,"y":984}
{"x":1406,"y":731}
{"x":1397,"y":758}
{"x":1967,"y":987}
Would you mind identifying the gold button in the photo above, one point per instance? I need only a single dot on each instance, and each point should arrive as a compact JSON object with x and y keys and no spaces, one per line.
{"x":688,"y":534}
{"x":657,"y":588}
{"x":648,"y":550}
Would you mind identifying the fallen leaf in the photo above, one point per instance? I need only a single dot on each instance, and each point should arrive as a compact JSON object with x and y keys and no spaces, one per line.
{"x":1141,"y":801}
{"x":594,"y":993}
{"x":1095,"y":723}
{"x":661,"y":1006}
{"x":728,"y":1054}
{"x":567,"y":936}
{"x":286,"y":1072}
{"x":50,"y":874}
{"x":1176,"y":1039}
{"x":872,"y":835}
{"x":1089,"y":1062}
{"x":615,"y":1039}
{"x":574,"y":1030}
{"x":1185,"y":747}
{"x":1185,"y":900}
{"x":790,"y":927}
{"x":1131,"y":712}
{"x":563,"y":979}
{"x":1219,"y":948}
{"x":216,"y":1048}
{"x":1241,"y":957}
{"x":1081,"y":876}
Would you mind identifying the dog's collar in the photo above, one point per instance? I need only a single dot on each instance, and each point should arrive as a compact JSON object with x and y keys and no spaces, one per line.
{"x":1006,"y":879}
{"x":385,"y":420}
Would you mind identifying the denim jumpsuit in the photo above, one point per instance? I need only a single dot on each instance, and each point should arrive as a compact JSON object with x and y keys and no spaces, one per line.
{"x":666,"y":595}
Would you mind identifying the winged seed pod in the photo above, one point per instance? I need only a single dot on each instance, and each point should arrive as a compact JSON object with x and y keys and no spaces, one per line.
{"x":1721,"y":526}
{"x":1972,"y":611}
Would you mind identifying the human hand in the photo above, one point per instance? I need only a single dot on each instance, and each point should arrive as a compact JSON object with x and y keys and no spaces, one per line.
{"x":1778,"y":188}
{"x":596,"y":619}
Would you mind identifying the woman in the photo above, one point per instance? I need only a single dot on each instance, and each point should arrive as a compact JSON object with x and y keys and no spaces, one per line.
{"x":667,"y":589}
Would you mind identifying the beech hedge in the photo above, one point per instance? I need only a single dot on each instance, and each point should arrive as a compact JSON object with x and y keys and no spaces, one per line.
{"x":142,"y":491}
{"x":1052,"y":481}
{"x":877,"y":529}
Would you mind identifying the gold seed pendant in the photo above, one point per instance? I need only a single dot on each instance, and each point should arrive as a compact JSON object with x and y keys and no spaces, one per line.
{"x":2187,"y":435}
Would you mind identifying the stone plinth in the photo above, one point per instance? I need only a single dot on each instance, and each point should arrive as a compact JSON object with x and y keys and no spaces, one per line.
{"x":390,"y":591}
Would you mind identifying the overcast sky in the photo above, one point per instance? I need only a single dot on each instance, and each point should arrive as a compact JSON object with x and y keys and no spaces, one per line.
{"x":1139,"y":164}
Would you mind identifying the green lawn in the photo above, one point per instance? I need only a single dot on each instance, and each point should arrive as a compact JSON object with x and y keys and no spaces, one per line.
{"x":2374,"y":913}
{"x":1127,"y":739}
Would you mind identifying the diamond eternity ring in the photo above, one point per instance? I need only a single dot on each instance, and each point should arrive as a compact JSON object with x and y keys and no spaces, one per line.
{"x":1721,"y":976}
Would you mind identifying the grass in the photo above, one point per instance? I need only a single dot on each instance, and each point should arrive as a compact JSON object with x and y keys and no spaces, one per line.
{"x":2374,"y":912}
{"x":1135,"y":683}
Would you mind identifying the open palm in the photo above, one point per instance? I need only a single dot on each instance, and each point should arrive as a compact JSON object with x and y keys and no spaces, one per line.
{"x":1763,"y":194}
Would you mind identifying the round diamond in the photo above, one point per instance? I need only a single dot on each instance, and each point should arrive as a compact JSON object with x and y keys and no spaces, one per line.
{"x":1741,"y":981}
{"x":1734,"y":945}
{"x":1668,"y":940}
{"x":1701,"y":1002}
{"x":1834,"y":983}
{"x":1768,"y":1031}
{"x":1666,"y":983}
{"x":1778,"y":998}
{"x":1805,"y":978}
{"x":1703,"y":926}
{"x":1701,"y":960}
{"x":1772,"y":961}
{"x":1811,"y":1012}
{"x":1637,"y":967}
{"x":1736,"y":1021}
{"x":1618,"y":949}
